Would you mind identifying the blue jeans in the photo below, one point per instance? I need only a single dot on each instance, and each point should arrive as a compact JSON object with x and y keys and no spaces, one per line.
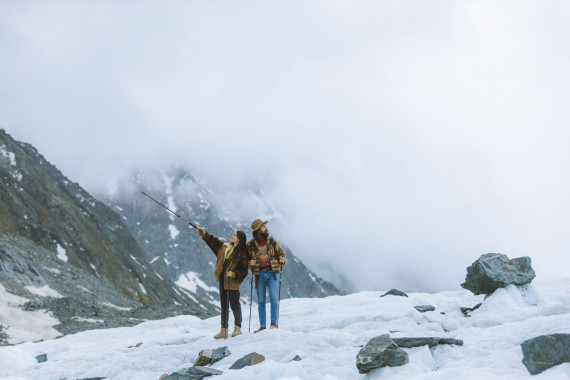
{"x":266,"y":280}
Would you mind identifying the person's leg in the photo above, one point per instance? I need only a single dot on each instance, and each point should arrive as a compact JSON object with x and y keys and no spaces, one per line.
{"x":236,"y":307}
{"x":261,"y":297}
{"x":224,"y":302}
{"x":273,"y":285}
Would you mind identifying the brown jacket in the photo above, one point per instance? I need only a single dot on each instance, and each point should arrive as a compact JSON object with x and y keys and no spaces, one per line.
{"x":274,"y":252}
{"x":236,"y":264}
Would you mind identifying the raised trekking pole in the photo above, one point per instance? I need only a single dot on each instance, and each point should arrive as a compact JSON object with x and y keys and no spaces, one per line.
{"x":279,"y":299}
{"x":192,"y":224}
{"x":250,"y":301}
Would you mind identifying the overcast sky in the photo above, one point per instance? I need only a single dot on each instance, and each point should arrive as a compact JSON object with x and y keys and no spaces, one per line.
{"x":399,"y":140}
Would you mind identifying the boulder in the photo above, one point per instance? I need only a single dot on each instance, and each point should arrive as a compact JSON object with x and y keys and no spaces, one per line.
{"x":193,"y":373}
{"x":545,"y":351}
{"x":424,"y":308}
{"x":394,"y":292}
{"x":297,"y":358}
{"x":379,"y":352}
{"x":41,"y":358}
{"x":209,"y":357}
{"x":430,"y":341}
{"x":494,"y":270}
{"x":249,"y":359}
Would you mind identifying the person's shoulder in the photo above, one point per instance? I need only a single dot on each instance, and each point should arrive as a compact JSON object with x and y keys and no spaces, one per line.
{"x":251,"y":242}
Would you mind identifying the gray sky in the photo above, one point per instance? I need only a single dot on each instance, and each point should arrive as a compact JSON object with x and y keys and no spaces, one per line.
{"x":399,"y":140}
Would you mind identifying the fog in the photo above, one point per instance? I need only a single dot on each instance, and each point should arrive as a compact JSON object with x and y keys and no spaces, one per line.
{"x":397,"y":140}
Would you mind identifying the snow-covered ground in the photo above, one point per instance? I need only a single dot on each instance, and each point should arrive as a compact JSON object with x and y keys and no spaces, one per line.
{"x":327,"y":334}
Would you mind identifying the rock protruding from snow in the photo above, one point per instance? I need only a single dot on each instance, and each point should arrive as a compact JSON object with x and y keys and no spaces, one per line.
{"x":424,"y":308}
{"x":248,"y":360}
{"x":380,"y":351}
{"x":494,"y":270}
{"x":297,"y":358}
{"x":209,"y":357}
{"x":394,"y":292}
{"x":430,"y":341}
{"x":194,"y":373}
{"x":544,"y":352}
{"x":41,"y":358}
{"x":466,"y":310}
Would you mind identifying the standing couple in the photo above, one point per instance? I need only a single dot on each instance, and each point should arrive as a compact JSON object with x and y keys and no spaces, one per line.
{"x":265,"y":258}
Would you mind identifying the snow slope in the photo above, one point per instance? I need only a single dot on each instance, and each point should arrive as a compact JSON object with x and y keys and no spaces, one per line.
{"x":327,"y":333}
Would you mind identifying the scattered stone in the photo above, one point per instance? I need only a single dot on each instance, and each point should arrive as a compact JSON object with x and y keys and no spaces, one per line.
{"x":193,"y":373}
{"x":248,"y":360}
{"x":41,"y":358}
{"x":466,"y":310}
{"x":93,"y":378}
{"x":136,"y":345}
{"x":209,"y":357}
{"x":297,"y":358}
{"x":394,"y":292}
{"x":544,"y":352}
{"x":430,"y":341}
{"x":379,"y":352}
{"x":494,"y":270}
{"x":424,"y":308}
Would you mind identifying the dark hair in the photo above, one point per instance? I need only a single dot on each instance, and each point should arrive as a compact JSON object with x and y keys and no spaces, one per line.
{"x":260,"y":236}
{"x":241,"y":248}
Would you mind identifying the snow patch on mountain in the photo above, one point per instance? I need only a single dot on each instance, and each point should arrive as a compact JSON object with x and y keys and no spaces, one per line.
{"x":192,"y":281}
{"x":61,"y":253}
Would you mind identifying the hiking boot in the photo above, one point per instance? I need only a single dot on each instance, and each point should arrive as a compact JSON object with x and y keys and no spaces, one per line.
{"x":223,"y":334}
{"x":237,"y":331}
{"x":260,"y":329}
{"x":273,"y":326}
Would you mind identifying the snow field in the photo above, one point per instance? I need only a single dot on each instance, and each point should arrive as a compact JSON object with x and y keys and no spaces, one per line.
{"x":327,"y":333}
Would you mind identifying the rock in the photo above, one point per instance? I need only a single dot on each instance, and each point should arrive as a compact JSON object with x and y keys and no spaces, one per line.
{"x":394,"y":292}
{"x":249,"y":359}
{"x":297,"y":358}
{"x":41,"y":358}
{"x":430,"y":341}
{"x":494,"y":270}
{"x":193,"y":373}
{"x":424,"y":308}
{"x":380,"y":352}
{"x":93,"y":378}
{"x":466,"y":310}
{"x":545,"y":351}
{"x":209,"y":357}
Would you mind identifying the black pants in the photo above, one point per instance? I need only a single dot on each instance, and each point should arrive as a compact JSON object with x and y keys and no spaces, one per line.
{"x":234,"y":303}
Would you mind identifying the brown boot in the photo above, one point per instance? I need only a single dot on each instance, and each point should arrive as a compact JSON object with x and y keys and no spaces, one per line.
{"x":237,"y":331}
{"x":260,"y":329}
{"x":223,"y":334}
{"x":273,"y":326}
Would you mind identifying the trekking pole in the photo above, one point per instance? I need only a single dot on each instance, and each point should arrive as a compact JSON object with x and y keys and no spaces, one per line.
{"x":250,"y":301}
{"x":193,"y":225}
{"x":279,"y":299}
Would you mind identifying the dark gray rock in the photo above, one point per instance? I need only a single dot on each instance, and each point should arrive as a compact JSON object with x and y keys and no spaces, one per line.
{"x":193,"y":373}
{"x":297,"y":358}
{"x":424,"y":308}
{"x":379,"y":352}
{"x":93,"y":378}
{"x":3,"y":336}
{"x":394,"y":292}
{"x":494,"y":270}
{"x":430,"y":341}
{"x":248,"y":360}
{"x":544,"y":352}
{"x":466,"y":310}
{"x":209,"y":357}
{"x":41,"y":358}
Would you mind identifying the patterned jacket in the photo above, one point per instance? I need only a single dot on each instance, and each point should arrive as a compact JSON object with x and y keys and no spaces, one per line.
{"x":236,"y":264}
{"x":274,"y":252}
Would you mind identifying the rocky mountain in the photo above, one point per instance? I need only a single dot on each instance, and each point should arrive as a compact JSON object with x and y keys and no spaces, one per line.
{"x":53,"y":233}
{"x":175,"y":250}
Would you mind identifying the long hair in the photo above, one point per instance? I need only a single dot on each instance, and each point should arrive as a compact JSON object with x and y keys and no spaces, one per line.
{"x":241,"y":247}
